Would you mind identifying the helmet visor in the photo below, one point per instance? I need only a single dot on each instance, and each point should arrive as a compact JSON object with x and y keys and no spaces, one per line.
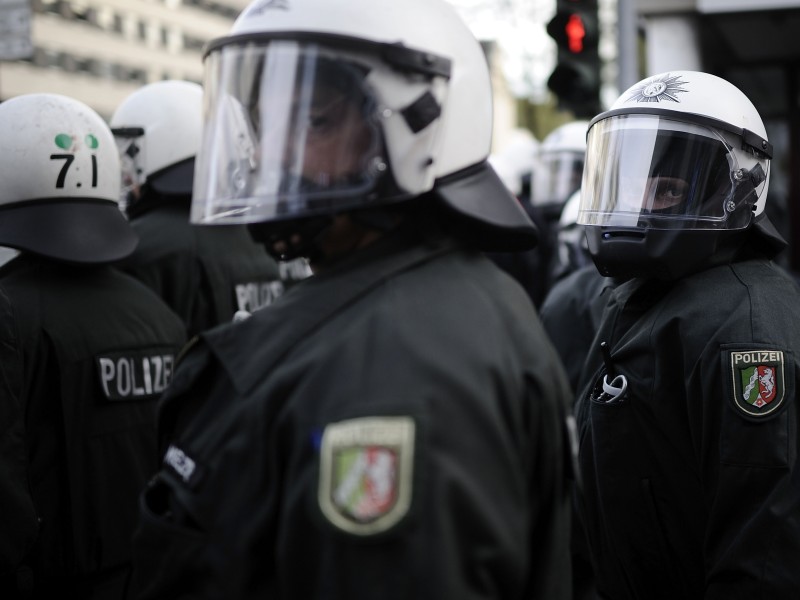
{"x":556,"y":176}
{"x":648,"y":171}
{"x":291,"y":129}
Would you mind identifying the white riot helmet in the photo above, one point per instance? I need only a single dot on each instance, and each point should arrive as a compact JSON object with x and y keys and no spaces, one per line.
{"x":59,"y":181}
{"x":514,"y":161}
{"x":157,"y":129}
{"x":677,"y":170}
{"x":572,"y":251}
{"x":316,"y":107}
{"x":558,"y":167}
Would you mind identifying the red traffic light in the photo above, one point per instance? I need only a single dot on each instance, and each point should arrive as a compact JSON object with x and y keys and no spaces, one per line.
{"x":576,"y":32}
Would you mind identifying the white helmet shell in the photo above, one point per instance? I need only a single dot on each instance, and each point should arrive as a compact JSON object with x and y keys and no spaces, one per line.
{"x":60,"y":181}
{"x":429,"y":25}
{"x":558,"y":165}
{"x":570,"y":137}
{"x":514,"y":160}
{"x":417,"y":113}
{"x":569,"y":214}
{"x":676,"y":178}
{"x":63,"y":141}
{"x":704,"y":99}
{"x":169,"y":116}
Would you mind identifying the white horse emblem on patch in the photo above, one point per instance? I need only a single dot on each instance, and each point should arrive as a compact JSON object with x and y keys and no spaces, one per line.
{"x":365,"y":473}
{"x":368,"y":487}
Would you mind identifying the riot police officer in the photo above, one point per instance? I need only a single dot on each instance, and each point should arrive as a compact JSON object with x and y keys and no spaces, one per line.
{"x":206,"y":274}
{"x":85,"y":352}
{"x":393,"y":427}
{"x":688,"y":421}
{"x":556,"y":177}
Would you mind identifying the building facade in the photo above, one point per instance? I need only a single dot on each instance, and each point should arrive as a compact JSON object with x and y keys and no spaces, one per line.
{"x":99,"y":51}
{"x":755,"y":45}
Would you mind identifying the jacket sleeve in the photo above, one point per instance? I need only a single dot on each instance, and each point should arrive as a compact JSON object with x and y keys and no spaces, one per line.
{"x":752,"y":546}
{"x":554,"y":472}
{"x":173,"y":556}
{"x":17,"y":513}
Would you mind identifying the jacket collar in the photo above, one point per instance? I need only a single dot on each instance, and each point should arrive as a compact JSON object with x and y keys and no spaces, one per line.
{"x":312,"y":302}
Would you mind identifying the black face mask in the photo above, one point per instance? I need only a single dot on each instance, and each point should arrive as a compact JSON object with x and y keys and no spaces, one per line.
{"x":295,"y":238}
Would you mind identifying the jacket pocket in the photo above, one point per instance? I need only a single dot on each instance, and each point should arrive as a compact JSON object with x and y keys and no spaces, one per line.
{"x":171,"y":557}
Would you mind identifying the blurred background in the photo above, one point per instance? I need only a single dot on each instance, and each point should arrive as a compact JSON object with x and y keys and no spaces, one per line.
{"x":552,"y":61}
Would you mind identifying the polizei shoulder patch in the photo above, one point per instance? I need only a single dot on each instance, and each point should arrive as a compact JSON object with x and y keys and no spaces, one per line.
{"x":365,"y":474}
{"x":759,"y":381}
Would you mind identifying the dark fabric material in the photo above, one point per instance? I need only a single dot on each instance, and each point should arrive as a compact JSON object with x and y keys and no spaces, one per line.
{"x":490,"y":215}
{"x":84,"y":355}
{"x":532,"y":268}
{"x":204,"y":273}
{"x":177,"y":179}
{"x":78,"y":231}
{"x":424,"y":333}
{"x":571,"y":314}
{"x":686,"y":495}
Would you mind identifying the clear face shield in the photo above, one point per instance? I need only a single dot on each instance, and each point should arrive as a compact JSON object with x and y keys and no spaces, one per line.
{"x":130,"y":145}
{"x":655,"y":173}
{"x":556,"y":176}
{"x":292,"y":130}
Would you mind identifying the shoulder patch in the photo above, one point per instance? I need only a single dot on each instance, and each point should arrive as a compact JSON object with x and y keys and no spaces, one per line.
{"x":365,"y":474}
{"x":758,"y":381}
{"x":183,"y":466}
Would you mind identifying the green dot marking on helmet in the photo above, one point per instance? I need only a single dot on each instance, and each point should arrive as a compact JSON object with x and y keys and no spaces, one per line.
{"x":63,"y":141}
{"x":91,"y":141}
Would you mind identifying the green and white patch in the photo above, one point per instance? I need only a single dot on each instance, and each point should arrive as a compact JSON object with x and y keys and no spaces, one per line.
{"x":366,"y":468}
{"x":759,"y":387}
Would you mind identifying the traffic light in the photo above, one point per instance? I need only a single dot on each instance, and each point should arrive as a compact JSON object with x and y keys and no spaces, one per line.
{"x":576,"y":77}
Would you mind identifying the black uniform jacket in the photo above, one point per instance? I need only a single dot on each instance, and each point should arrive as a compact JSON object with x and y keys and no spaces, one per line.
{"x":691,"y":474}
{"x":391,"y":428}
{"x":84,"y":355}
{"x":571,"y":314}
{"x":204,"y":273}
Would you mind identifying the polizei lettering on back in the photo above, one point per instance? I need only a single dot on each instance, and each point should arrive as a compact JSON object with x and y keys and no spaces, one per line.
{"x":135,"y":375}
{"x":252,"y":296}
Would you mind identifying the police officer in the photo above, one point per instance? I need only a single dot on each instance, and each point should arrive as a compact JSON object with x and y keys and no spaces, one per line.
{"x":85,"y":351}
{"x":688,"y":422}
{"x":571,"y":253}
{"x":570,"y":314}
{"x":206,"y":274}
{"x":556,"y":177}
{"x":393,"y":427}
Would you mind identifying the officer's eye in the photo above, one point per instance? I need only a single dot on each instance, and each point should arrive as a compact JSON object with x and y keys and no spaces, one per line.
{"x":670,"y":191}
{"x":319,"y":122}
{"x":325,"y":116}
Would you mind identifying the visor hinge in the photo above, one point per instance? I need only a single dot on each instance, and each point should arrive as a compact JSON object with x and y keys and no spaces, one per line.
{"x":757,"y":175}
{"x":754,"y":142}
{"x":422,"y":112}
